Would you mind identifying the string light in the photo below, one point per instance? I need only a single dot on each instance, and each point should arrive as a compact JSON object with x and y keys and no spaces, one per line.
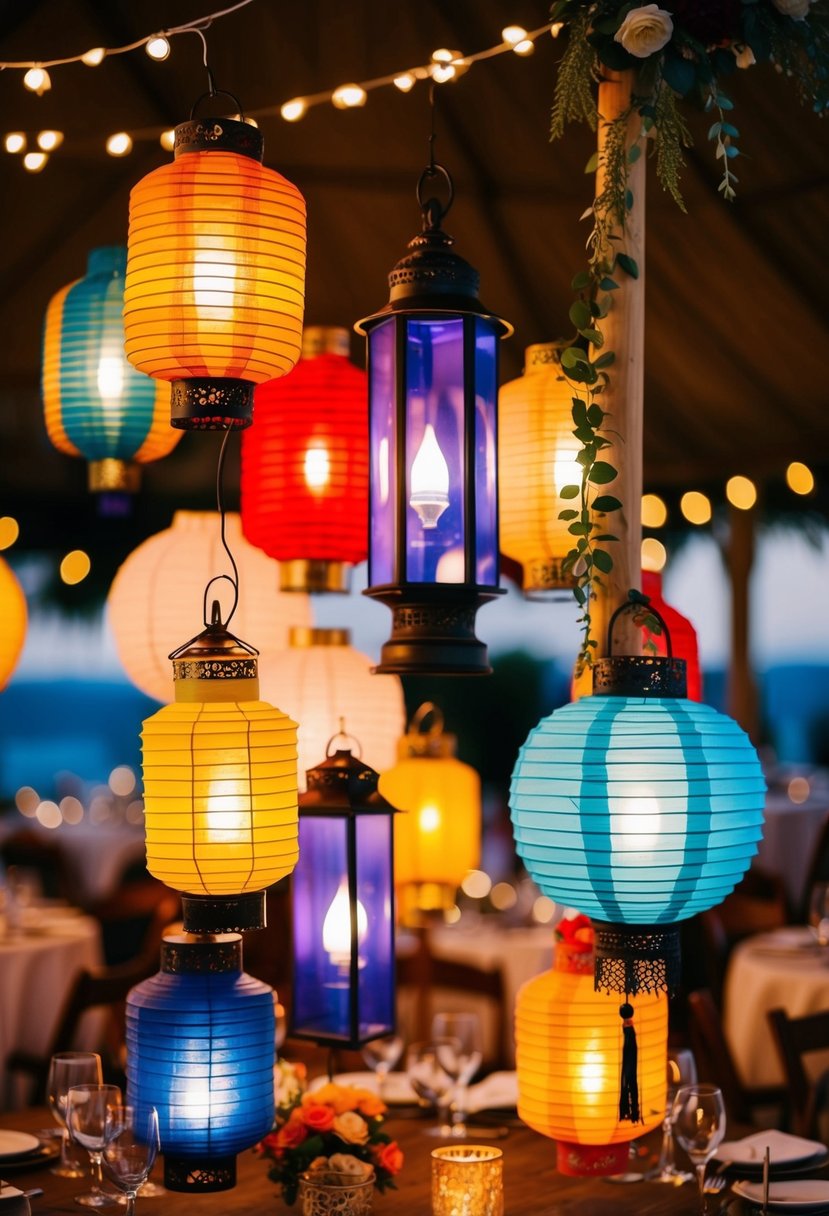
{"x":119,"y":144}
{"x":47,"y":141}
{"x":741,"y":492}
{"x":799,"y":478}
{"x":37,"y":80}
{"x":293,"y":110}
{"x":157,"y":48}
{"x":517,"y":38}
{"x":93,"y":57}
{"x":75,"y":567}
{"x":347,"y":96}
{"x":167,"y":139}
{"x":696,"y":507}
{"x":15,"y":141}
{"x":9,"y":531}
{"x":34,"y":161}
{"x":404,"y":82}
{"x":654,"y":511}
{"x":654,"y":554}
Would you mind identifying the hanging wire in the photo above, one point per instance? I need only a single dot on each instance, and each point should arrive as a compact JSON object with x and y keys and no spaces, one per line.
{"x":220,"y":506}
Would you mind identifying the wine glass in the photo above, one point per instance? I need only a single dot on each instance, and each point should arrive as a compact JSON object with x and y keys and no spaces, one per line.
{"x":381,"y":1055}
{"x":130,"y":1154}
{"x":66,"y":1069}
{"x":461,"y":1063}
{"x":819,"y":913}
{"x":698,"y":1118}
{"x":430,"y":1080}
{"x":682,"y":1070}
{"x":91,"y":1119}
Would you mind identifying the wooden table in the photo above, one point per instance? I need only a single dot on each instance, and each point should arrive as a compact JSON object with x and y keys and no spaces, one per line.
{"x":531,"y":1185}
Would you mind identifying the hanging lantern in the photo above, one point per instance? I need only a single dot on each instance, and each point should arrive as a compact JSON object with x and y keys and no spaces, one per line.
{"x":216,"y":274}
{"x":438,"y":840}
{"x":537,"y":453}
{"x":305,"y":467}
{"x":96,"y":405}
{"x":682,"y":632}
{"x":200,"y":1049}
{"x":570,"y":1047}
{"x":639,"y":808}
{"x":220,"y":795}
{"x":320,"y":679}
{"x":433,"y":388}
{"x":14,"y":616}
{"x":160,"y":585}
{"x":343,"y":902}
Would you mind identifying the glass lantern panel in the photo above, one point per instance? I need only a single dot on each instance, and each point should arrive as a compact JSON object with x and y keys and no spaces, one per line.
{"x":434,"y":450}
{"x":486,"y":496}
{"x":381,"y":345}
{"x":374,"y":891}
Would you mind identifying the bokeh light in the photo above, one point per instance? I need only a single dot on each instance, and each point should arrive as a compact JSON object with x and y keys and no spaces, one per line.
{"x":696,"y":507}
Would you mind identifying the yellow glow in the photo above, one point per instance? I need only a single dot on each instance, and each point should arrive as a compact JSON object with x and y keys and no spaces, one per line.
{"x":214,"y":278}
{"x":9,"y":531}
{"x":33,"y":162}
{"x":157,"y":48}
{"x":476,"y":884}
{"x":591,"y":1074}
{"x":47,"y":141}
{"x":93,"y":56}
{"x":37,"y":80}
{"x":513,"y":34}
{"x":799,"y":478}
{"x":799,"y":790}
{"x":566,"y":469}
{"x":429,"y":480}
{"x":71,"y":810}
{"x":122,"y":780}
{"x":75,"y":567}
{"x":654,"y":554}
{"x":119,"y":144}
{"x":194,"y":1102}
{"x":15,"y":141}
{"x":442,"y":72}
{"x":638,"y":817}
{"x":544,"y":909}
{"x":556,"y":28}
{"x":696,"y":507}
{"x":27,"y":801}
{"x":654,"y":511}
{"x":111,"y":377}
{"x":293,"y":110}
{"x":48,"y":815}
{"x":317,"y":467}
{"x":404,"y":82}
{"x":503,"y":896}
{"x":452,"y":915}
{"x":429,"y":819}
{"x":348,"y":96}
{"x":741,"y":492}
{"x":336,"y":928}
{"x":167,"y":139}
{"x":526,"y":47}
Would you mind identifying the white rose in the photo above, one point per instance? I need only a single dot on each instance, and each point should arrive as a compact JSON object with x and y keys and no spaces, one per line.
{"x":647,"y":29}
{"x":792,"y":8}
{"x":744,"y":55}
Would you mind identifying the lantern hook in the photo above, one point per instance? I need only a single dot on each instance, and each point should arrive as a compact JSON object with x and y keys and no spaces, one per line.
{"x":215,"y":606}
{"x":214,"y":92}
{"x":433,"y":210}
{"x":637,"y":600}
{"x":342,"y":733}
{"x":428,"y":710}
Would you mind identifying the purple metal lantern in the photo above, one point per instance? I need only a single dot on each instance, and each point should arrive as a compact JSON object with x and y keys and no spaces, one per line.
{"x":433,"y":389}
{"x":343,"y":907}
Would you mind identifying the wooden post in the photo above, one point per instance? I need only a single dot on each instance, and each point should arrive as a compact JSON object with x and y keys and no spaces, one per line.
{"x":742,"y":702}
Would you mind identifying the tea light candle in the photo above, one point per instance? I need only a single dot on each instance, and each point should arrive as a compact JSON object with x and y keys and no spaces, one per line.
{"x":467,"y":1180}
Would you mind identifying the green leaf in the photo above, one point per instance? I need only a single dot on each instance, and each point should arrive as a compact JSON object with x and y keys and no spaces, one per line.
{"x":605,"y":503}
{"x":628,"y":200}
{"x":725,"y":103}
{"x":601,"y":473}
{"x":732,"y":151}
{"x":634,"y":152}
{"x":593,"y":164}
{"x":593,"y":335}
{"x":608,"y":284}
{"x":579,"y":529}
{"x":580,"y":596}
{"x":605,"y":536}
{"x":730,"y":130}
{"x":579,"y":411}
{"x":714,"y":130}
{"x":572,"y":357}
{"x":580,"y":280}
{"x":580,"y":314}
{"x":569,"y":492}
{"x":584,"y":434}
{"x":627,"y":264}
{"x":595,"y":415}
{"x":569,"y":514}
{"x":602,"y":560}
{"x":604,"y":360}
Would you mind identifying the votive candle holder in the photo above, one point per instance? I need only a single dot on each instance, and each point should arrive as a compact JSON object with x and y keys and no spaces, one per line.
{"x":467,"y":1180}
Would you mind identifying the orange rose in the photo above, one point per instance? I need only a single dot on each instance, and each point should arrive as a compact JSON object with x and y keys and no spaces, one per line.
{"x":389,"y":1157}
{"x":349,"y":1126}
{"x":369,"y":1104}
{"x":268,"y":1144}
{"x":318,"y":1117}
{"x":339,"y":1097}
{"x":291,"y":1135}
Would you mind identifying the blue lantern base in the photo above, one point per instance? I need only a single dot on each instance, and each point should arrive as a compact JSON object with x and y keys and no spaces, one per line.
{"x":193,"y":1175}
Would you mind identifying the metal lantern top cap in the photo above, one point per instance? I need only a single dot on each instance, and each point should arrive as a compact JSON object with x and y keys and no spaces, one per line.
{"x":422,"y":740}
{"x":641,"y":675}
{"x":218,"y":134}
{"x":215,"y":654}
{"x":431,"y":277}
{"x":342,"y":782}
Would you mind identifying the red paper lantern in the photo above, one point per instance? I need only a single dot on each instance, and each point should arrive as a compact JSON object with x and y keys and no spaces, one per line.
{"x":683,"y":634}
{"x":305,"y":466}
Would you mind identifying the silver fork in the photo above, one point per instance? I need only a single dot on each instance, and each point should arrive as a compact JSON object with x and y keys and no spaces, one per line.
{"x":714,"y":1184}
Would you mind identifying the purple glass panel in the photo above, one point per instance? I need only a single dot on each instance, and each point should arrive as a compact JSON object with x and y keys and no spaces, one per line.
{"x":486,"y":496}
{"x":434,"y":451}
{"x":374,"y":891}
{"x":383,"y":481}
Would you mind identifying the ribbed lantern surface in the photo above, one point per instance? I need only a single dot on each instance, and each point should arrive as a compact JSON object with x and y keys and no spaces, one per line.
{"x":14,"y":615}
{"x":96,"y":405}
{"x":637,"y":810}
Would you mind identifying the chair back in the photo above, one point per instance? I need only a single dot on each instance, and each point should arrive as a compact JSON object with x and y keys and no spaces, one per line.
{"x":796,"y":1038}
{"x":818,"y":869}
{"x":714,"y":1060}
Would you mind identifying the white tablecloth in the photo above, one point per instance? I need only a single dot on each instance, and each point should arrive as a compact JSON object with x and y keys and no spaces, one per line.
{"x":96,"y":854}
{"x":780,"y":970}
{"x":790,"y":835}
{"x":37,"y":969}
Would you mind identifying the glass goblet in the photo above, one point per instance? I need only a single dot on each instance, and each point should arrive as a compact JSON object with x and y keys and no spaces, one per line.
{"x":682,"y":1070}
{"x":91,"y":1120}
{"x":430,"y":1080}
{"x":461,"y":1064}
{"x":130,"y":1154}
{"x":68,"y":1068}
{"x":381,"y":1055}
{"x":698,"y":1118}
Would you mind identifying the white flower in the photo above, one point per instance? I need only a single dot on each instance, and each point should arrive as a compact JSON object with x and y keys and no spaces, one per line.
{"x":744,"y":55}
{"x":647,"y":29}
{"x":798,"y":9}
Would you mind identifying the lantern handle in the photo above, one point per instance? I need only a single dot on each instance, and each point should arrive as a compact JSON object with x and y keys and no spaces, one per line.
{"x":433,"y":210}
{"x":428,"y":709}
{"x":215,"y":608}
{"x":637,"y":600}
{"x":214,"y":92}
{"x":342,"y":733}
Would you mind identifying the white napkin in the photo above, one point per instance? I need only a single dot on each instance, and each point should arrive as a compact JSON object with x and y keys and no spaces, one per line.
{"x":13,"y":1202}
{"x":783,"y":1149}
{"x":496,"y":1091}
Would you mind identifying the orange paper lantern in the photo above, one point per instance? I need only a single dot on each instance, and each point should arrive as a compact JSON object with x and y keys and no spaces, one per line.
{"x":215,"y":275}
{"x":14,"y":617}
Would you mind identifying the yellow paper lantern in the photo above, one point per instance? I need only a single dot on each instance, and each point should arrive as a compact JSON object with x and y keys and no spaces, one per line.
{"x":536,"y":458}
{"x":158,"y":592}
{"x":569,"y":1043}
{"x":215,"y":274}
{"x":321,"y":679}
{"x":14,"y":616}
{"x":438,"y":839}
{"x":220,"y":792}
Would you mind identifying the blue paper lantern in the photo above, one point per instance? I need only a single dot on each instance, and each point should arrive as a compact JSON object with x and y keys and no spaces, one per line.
{"x":200,"y":1048}
{"x":343,"y":904}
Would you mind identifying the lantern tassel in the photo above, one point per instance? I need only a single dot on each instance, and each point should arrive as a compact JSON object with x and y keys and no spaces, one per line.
{"x":629,"y":1091}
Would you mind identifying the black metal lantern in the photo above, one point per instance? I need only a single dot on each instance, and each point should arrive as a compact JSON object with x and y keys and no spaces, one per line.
{"x":343,"y":907}
{"x":433,"y":388}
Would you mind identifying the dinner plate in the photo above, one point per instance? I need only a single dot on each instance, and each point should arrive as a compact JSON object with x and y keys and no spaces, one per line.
{"x":44,"y":1154}
{"x":17,"y":1144}
{"x":802,"y":1195}
{"x":785,"y":1151}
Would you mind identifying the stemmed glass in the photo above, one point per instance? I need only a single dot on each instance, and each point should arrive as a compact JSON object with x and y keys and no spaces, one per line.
{"x":130,"y":1155}
{"x":462,"y":1062}
{"x":698,"y":1119}
{"x":66,"y":1069}
{"x":381,"y":1055}
{"x":819,"y":913}
{"x":430,"y":1079}
{"x":682,"y":1070}
{"x":91,"y":1118}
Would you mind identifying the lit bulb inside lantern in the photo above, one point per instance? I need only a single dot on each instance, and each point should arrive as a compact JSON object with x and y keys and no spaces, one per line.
{"x":566,"y":470}
{"x":224,"y":822}
{"x":635,"y":822}
{"x":591,"y":1075}
{"x":429,"y":819}
{"x":336,"y":928}
{"x":193,"y":1103}
{"x":213,"y":284}
{"x":110,"y":378}
{"x":317,"y":468}
{"x":429,"y":480}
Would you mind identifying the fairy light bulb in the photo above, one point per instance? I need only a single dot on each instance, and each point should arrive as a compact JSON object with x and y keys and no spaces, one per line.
{"x":525,"y":47}
{"x":336,"y":928}
{"x":696,"y":507}
{"x":404,"y":82}
{"x":119,"y":144}
{"x":741,"y":492}
{"x":47,"y":141}
{"x":800,"y":478}
{"x":33,"y":162}
{"x":513,"y":34}
{"x":654,"y":511}
{"x":94,"y":56}
{"x":442,"y":72}
{"x":167,"y":139}
{"x":429,"y":480}
{"x":654,"y":554}
{"x":37,"y":80}
{"x":348,"y":96}
{"x":293,"y":110}
{"x":15,"y":142}
{"x":157,"y":48}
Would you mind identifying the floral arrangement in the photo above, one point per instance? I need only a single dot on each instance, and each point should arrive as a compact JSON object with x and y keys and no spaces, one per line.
{"x":577,"y":932}
{"x":337,"y":1128}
